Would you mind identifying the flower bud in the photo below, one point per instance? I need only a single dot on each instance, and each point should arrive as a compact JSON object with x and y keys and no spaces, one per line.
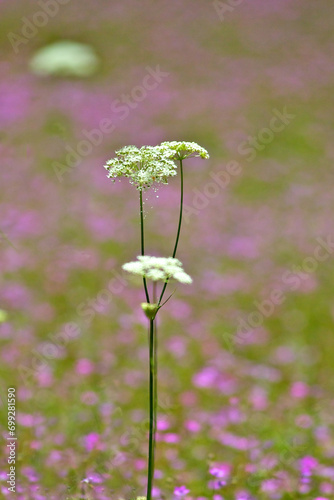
{"x":150,"y":310}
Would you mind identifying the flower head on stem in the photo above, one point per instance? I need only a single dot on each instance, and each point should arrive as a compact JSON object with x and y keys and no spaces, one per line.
{"x":183,"y":150}
{"x":158,"y":268}
{"x":144,"y":167}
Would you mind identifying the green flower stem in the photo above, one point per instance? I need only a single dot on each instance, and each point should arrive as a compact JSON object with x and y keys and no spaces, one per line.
{"x":178,"y":229}
{"x":181,"y":212}
{"x":152,"y":405}
{"x":155,"y":385}
{"x":142,"y":239}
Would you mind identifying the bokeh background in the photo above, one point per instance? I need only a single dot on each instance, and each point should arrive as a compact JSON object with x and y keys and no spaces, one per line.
{"x":244,"y":391}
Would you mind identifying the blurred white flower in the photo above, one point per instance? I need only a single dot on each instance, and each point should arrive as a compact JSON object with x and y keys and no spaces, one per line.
{"x":65,"y":58}
{"x":144,"y":166}
{"x":158,"y":268}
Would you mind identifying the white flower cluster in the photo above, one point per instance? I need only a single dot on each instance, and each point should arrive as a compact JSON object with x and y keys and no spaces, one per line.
{"x":182,"y":150}
{"x":158,"y":268}
{"x":144,"y":166}
{"x":151,"y":164}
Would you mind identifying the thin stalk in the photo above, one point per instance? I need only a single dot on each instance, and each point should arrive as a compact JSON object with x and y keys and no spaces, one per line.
{"x":142,"y":238}
{"x":178,"y":229}
{"x":150,"y":472}
{"x":155,"y":384}
{"x":181,"y":212}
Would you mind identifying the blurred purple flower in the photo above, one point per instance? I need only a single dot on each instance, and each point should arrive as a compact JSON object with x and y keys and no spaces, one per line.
{"x":93,"y":478}
{"x":84,"y":367}
{"x":221,"y":471}
{"x":91,"y":441}
{"x":299,"y":390}
{"x":181,"y":491}
{"x":206,"y":377}
{"x":192,"y":426}
{"x":307,"y":465}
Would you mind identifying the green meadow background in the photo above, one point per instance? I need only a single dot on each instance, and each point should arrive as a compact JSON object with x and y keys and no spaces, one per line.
{"x":246,"y":352}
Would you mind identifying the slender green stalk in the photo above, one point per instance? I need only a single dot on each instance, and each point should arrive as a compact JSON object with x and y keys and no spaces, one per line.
{"x":150,"y":472}
{"x":178,"y":228}
{"x":142,"y":238}
{"x":181,"y":212}
{"x":155,"y":385}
